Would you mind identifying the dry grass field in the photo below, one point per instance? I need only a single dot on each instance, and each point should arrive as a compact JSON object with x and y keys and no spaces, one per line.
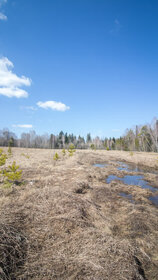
{"x":66,"y":222}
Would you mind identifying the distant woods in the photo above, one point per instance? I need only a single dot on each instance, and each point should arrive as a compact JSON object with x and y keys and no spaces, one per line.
{"x":140,"y":138}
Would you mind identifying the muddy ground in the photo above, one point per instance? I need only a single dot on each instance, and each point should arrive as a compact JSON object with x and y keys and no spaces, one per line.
{"x":66,"y":222}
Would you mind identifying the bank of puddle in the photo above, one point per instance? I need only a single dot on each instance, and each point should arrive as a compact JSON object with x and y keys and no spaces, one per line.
{"x":136,"y":180}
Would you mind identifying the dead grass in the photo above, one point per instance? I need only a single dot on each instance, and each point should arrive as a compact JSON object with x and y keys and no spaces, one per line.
{"x":67,"y":223}
{"x":12,"y":251}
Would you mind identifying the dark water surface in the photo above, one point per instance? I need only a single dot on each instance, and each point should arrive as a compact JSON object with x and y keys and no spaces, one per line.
{"x":134,"y":168}
{"x":129,"y":167}
{"x":136,"y":180}
{"x":100,"y":165}
{"x":128,"y":196}
{"x":154,"y":200}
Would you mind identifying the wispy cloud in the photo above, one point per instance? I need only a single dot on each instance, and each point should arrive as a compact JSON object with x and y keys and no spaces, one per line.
{"x":23,"y":125}
{"x":2,"y":15}
{"x":2,"y":2}
{"x":116,"y":130}
{"x":28,"y":108}
{"x":10,"y":83}
{"x":57,"y":106}
{"x":117,"y":22}
{"x":116,"y":27}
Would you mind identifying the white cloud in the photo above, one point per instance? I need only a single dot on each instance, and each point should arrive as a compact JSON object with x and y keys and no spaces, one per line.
{"x":23,"y":125}
{"x":13,"y":92}
{"x":57,"y":106}
{"x":10,"y":82}
{"x":3,"y":17}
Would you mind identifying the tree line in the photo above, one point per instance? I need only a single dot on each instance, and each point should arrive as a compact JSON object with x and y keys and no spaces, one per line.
{"x":140,"y":138}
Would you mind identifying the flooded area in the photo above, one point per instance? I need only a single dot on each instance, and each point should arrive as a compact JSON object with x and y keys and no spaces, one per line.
{"x":129,"y":167}
{"x":133,"y":168}
{"x":136,"y":180}
{"x":154,"y":200}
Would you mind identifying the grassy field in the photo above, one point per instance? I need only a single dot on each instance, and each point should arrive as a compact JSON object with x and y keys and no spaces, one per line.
{"x":66,"y":222}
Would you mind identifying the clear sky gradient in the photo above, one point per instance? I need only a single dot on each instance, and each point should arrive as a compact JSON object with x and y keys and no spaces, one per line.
{"x":99,"y":58}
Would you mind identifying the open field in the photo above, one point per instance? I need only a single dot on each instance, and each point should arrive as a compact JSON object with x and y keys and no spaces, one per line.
{"x":67,"y":222}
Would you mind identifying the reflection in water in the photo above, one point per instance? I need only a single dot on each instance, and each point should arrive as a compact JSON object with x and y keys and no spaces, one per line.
{"x":128,"y":167}
{"x":100,"y":165}
{"x":128,"y":196}
{"x":133,"y":168}
{"x":136,"y":180}
{"x":154,"y":199}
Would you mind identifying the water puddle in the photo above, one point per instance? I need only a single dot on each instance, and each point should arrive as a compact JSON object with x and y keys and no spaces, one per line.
{"x":127,"y":167}
{"x":133,"y":168}
{"x":100,"y":165}
{"x":128,"y":196}
{"x":154,"y":200}
{"x":136,"y":180}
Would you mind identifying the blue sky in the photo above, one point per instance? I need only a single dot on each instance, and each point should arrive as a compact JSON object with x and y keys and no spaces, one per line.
{"x":78,"y":66}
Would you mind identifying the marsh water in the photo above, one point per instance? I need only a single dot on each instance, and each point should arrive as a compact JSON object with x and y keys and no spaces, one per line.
{"x":128,"y":196}
{"x":136,"y":180}
{"x":134,"y":168}
{"x":100,"y":165}
{"x":154,"y":200}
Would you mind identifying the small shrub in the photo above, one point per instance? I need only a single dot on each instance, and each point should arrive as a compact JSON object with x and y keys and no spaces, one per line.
{"x":56,"y":156}
{"x":64,"y":152}
{"x":131,"y":154}
{"x":71,"y":153}
{"x":71,"y":150}
{"x":9,"y":151}
{"x":10,"y":144}
{"x":12,"y":174}
{"x":93,"y":147}
{"x":107,"y":149}
{"x":71,"y":147}
{"x":3,"y":158}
